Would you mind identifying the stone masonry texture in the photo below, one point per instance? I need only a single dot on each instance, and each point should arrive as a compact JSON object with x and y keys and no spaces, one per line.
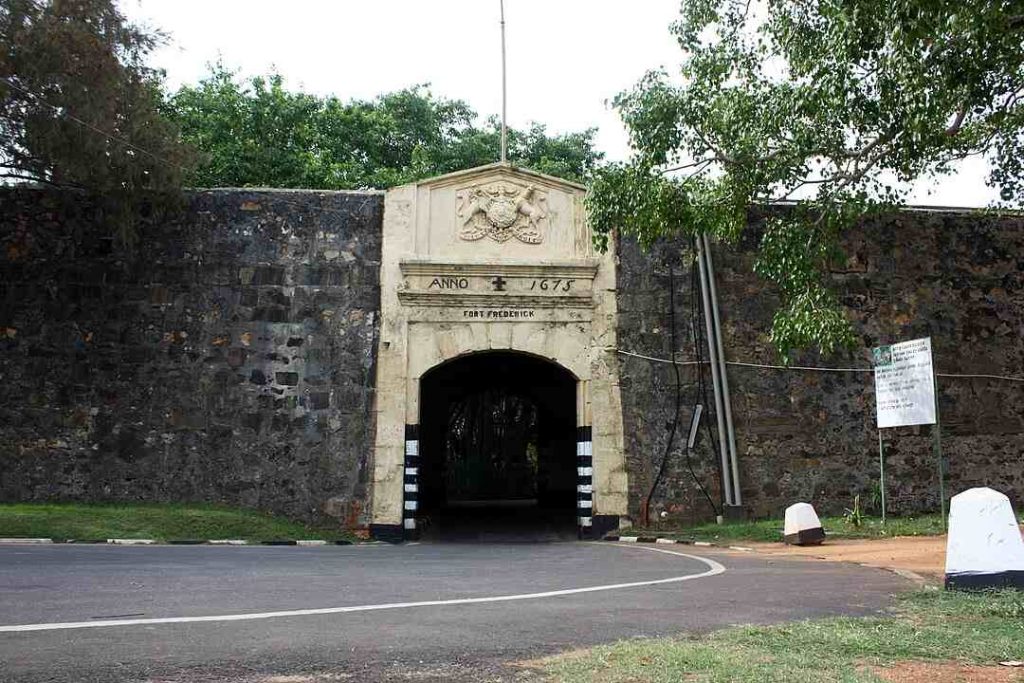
{"x":957,"y":277}
{"x":228,"y":357}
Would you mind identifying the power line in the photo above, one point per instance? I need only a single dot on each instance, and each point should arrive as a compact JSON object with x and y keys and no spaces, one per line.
{"x":110,"y":136}
{"x":662,"y":360}
{"x":798,"y":367}
{"x":806,"y":368}
{"x":1003,"y":377}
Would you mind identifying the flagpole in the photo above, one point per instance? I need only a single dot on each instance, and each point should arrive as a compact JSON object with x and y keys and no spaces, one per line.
{"x":504,"y":90}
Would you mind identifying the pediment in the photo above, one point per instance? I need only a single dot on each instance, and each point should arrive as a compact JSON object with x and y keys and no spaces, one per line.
{"x":501,"y":171}
{"x":489,"y":214}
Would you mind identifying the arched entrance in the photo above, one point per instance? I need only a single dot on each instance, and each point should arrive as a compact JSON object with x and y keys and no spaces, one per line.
{"x":498,"y":449}
{"x":495,"y":344}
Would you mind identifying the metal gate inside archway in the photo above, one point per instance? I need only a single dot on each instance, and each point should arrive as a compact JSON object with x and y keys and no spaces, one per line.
{"x":498,"y":449}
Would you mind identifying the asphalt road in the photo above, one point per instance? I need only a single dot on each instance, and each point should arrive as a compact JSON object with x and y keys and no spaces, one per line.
{"x":471,"y":638}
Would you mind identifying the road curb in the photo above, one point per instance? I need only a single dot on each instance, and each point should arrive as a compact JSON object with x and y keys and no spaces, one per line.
{"x":301,"y":542}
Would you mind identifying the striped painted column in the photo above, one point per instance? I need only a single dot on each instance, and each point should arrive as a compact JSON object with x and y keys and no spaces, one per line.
{"x":584,"y":480}
{"x":411,"y":487}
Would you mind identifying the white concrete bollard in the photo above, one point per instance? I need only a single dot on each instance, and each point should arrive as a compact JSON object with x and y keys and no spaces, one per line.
{"x":984,"y":548}
{"x":802,"y":525}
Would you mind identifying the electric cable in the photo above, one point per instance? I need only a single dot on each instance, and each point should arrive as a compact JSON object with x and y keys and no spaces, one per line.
{"x":646,"y":507}
{"x":655,"y":359}
{"x":85,"y":124}
{"x":807,"y":368}
{"x":678,"y":408}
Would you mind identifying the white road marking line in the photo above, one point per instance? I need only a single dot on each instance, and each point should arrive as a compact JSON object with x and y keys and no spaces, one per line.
{"x":717,"y":568}
{"x":714,"y":568}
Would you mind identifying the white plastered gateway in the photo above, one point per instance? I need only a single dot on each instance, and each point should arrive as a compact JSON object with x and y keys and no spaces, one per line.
{"x":495,"y":258}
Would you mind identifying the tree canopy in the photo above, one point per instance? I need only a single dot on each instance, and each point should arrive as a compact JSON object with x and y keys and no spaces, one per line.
{"x":255,"y":132}
{"x":78,"y":106}
{"x":838,"y":104}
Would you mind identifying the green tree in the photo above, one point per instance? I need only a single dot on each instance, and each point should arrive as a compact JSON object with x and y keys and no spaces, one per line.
{"x":838,"y":104}
{"x":256,"y":132}
{"x":79,"y":108}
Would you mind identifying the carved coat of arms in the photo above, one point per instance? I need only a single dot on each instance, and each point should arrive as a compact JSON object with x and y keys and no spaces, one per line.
{"x":501,"y":211}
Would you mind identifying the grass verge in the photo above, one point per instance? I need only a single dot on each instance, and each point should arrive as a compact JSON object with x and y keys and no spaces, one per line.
{"x":931,"y":626}
{"x":835,"y":527}
{"x":162,"y":522}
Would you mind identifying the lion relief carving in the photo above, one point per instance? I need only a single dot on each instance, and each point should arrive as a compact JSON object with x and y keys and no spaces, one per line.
{"x":501,"y":211}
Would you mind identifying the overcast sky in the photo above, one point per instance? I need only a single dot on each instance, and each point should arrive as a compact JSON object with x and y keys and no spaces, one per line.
{"x":566,"y":58}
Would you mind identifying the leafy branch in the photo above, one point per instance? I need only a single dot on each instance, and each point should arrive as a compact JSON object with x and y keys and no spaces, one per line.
{"x":835,"y":105}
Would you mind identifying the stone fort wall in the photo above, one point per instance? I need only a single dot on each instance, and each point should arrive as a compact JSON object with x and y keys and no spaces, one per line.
{"x":230,"y":358}
{"x":811,"y":436}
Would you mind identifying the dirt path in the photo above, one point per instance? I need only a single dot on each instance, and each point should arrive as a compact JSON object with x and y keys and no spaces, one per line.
{"x":922,"y":555}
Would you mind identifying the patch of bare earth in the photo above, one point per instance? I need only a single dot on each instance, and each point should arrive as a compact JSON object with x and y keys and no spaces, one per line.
{"x":946,"y":672}
{"x":922,"y":555}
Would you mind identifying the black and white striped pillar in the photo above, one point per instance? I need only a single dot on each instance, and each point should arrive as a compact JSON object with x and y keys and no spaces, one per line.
{"x":411,"y":487}
{"x":584,"y":480}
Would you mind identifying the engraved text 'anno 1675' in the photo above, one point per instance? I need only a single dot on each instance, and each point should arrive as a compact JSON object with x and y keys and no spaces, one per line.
{"x":497,"y":283}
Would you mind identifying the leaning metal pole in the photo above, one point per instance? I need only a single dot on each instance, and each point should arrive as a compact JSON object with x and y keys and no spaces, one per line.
{"x":726,"y":398}
{"x":713,"y":358}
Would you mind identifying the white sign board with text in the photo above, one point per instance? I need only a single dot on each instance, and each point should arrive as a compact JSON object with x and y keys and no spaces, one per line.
{"x":904,"y":384}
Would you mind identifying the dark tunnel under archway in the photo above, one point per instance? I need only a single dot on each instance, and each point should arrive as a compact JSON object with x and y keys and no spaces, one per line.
{"x":497,"y":447}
